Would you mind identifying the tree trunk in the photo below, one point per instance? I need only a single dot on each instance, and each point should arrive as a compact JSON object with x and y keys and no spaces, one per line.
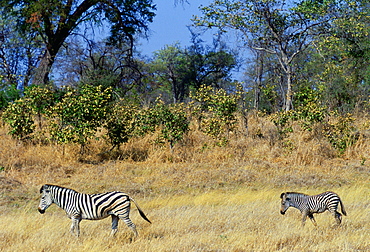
{"x":42,"y":72}
{"x":259,"y":73}
{"x":289,"y":93}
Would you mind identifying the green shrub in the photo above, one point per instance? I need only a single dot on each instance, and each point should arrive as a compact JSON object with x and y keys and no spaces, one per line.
{"x":173,"y":122}
{"x":7,"y":95}
{"x":120,"y":123}
{"x":76,"y":118}
{"x":40,"y":99}
{"x":170,"y":120}
{"x":215,"y":111}
{"x":19,"y":116}
{"x":340,"y":131}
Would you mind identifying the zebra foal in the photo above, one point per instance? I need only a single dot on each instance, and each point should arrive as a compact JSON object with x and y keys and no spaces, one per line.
{"x":308,"y":205}
{"x":79,"y":206}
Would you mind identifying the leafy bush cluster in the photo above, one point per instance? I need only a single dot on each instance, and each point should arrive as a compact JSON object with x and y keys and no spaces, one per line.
{"x":8,"y":94}
{"x":215,"y":111}
{"x":129,"y":120}
{"x":79,"y":114}
{"x":19,"y":116}
{"x":76,"y":115}
{"x":337,"y":129}
{"x":340,"y":131}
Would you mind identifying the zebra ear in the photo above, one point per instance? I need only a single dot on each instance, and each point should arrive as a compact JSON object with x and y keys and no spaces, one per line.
{"x":282,"y":195}
{"x":44,"y":187}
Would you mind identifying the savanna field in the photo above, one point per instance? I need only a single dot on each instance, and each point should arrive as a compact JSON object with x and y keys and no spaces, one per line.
{"x":198,"y":196}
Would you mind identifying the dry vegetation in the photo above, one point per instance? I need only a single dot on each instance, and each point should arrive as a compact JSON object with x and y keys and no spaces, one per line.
{"x":199,"y":198}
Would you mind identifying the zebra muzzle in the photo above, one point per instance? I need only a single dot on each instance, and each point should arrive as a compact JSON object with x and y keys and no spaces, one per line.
{"x":41,"y":211}
{"x":282,"y":212}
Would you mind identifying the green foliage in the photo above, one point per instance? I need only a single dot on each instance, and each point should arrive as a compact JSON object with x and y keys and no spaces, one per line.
{"x":179,"y":70}
{"x":40,"y":99}
{"x":270,"y":97}
{"x":57,"y":20}
{"x":19,"y":116}
{"x":314,"y":9}
{"x":100,"y":77}
{"x":121,"y":122}
{"x":215,"y":109}
{"x":146,"y":121}
{"x":8,"y":94}
{"x":173,"y":121}
{"x":170,"y":120}
{"x":172,"y":70}
{"x":340,"y":131}
{"x":77,"y":117}
{"x":342,"y":59}
{"x":308,"y":108}
{"x":307,"y":113}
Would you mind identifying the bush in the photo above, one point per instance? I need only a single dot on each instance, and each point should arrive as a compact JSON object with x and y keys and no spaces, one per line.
{"x":19,"y":116}
{"x":340,"y":132}
{"x":120,"y":123}
{"x":79,"y":114}
{"x":215,"y":110}
{"x":173,"y":122}
{"x":41,"y":100}
{"x":170,"y":120}
{"x":7,"y":95}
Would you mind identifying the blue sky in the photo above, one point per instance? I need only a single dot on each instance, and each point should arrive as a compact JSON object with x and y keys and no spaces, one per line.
{"x":170,"y":24}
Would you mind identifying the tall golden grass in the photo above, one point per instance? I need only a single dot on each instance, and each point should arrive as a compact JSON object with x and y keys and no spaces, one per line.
{"x":200,"y":197}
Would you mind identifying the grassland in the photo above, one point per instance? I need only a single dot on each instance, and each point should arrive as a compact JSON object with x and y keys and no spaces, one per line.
{"x":202,"y":198}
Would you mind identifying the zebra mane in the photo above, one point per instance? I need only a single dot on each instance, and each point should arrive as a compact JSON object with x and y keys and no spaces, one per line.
{"x":55,"y":186}
{"x":296,"y":193}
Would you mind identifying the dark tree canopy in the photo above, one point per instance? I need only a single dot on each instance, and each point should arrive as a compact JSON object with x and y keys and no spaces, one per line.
{"x":55,"y":20}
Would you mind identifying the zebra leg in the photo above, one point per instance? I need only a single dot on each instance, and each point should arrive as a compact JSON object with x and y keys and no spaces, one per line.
{"x":312,"y":219}
{"x":304,"y":217}
{"x":129,"y":223}
{"x":75,"y":227}
{"x":114,"y":225}
{"x":338,"y":217}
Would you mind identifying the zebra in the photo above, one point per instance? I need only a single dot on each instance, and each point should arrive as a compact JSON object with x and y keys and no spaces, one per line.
{"x":308,"y":205}
{"x":79,"y":206}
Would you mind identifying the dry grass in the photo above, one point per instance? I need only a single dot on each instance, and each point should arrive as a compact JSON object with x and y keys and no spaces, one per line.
{"x":199,"y":198}
{"x":242,"y":220}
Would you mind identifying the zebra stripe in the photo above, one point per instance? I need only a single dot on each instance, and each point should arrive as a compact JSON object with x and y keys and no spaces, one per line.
{"x":308,"y":205}
{"x":79,"y":206}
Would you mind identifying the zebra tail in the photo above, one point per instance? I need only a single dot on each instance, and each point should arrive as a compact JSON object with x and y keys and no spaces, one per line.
{"x":141,"y":211}
{"x":342,"y":207}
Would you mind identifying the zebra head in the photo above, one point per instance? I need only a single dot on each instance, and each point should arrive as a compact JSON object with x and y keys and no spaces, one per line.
{"x":285,"y":203}
{"x":46,"y":199}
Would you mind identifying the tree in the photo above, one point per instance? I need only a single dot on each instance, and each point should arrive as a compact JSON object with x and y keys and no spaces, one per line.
{"x":340,"y":66}
{"x":98,"y":63}
{"x":263,"y":82}
{"x":56,"y":20}
{"x":181,"y":70}
{"x":171,"y":66}
{"x":276,"y":27}
{"x":212,"y":64}
{"x":18,"y":53}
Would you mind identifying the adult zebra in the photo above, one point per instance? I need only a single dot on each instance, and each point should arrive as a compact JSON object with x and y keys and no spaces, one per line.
{"x":79,"y":206}
{"x":308,"y":205}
